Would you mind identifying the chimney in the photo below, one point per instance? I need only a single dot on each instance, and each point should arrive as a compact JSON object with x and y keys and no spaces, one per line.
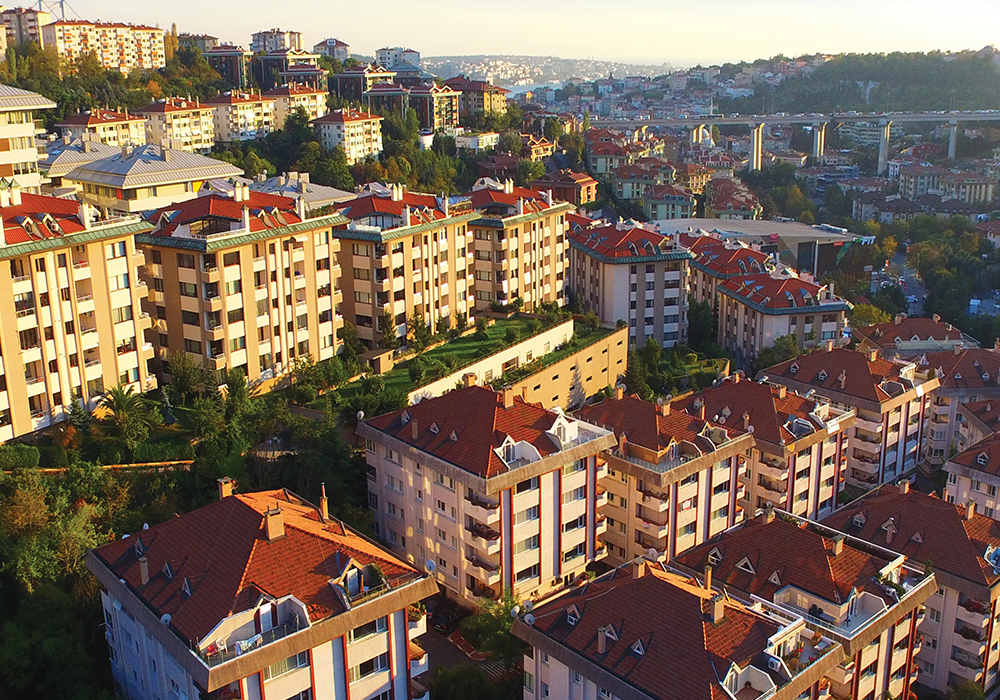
{"x":15,"y":194}
{"x":324,"y":503}
{"x":899,"y":318}
{"x":708,"y":577}
{"x":717,"y":609}
{"x":246,"y":219}
{"x":238,"y":192}
{"x":86,"y":146}
{"x":735,"y":377}
{"x":838,"y":545}
{"x":406,"y":215}
{"x":444,"y":204}
{"x":701,"y":411}
{"x":829,"y":345}
{"x":622,"y":441}
{"x":414,"y":429}
{"x":769,"y":515}
{"x":842,"y":378}
{"x":300,"y":208}
{"x":937,"y":318}
{"x":602,"y":640}
{"x":746,"y":420}
{"x":872,"y":355}
{"x":782,"y":391}
{"x":165,"y":153}
{"x":620,"y":391}
{"x":4,"y":197}
{"x":665,"y":408}
{"x":469,"y":379}
{"x":143,"y":570}
{"x":508,"y":397}
{"x":126,"y":150}
{"x":640,"y":567}
{"x":3,"y":235}
{"x":226,"y":486}
{"x":520,"y":206}
{"x":903,"y":486}
{"x":274,"y":524}
{"x":958,"y":348}
{"x":970,"y":510}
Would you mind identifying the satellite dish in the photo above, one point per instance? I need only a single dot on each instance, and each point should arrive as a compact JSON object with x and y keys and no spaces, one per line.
{"x":166,"y":619}
{"x":750,"y":429}
{"x":125,"y":536}
{"x":515,"y":610}
{"x":529,"y":619}
{"x":361,"y":416}
{"x":429,"y":566}
{"x":528,"y":606}
{"x":145,"y":526}
{"x":652,"y":554}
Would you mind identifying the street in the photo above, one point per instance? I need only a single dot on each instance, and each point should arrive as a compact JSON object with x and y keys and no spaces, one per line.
{"x":913,"y":286}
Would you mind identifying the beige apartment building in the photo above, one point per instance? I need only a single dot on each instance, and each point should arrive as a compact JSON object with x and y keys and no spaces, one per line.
{"x":959,"y":634}
{"x":274,"y":40}
{"x":179,"y":123}
{"x":716,"y":261}
{"x":23,"y":25}
{"x":799,"y":456}
{"x":754,"y":310}
{"x":630,"y":274}
{"x":112,"y":128}
{"x":973,"y":476}
{"x":246,"y":282}
{"x":71,"y":294}
{"x":117,"y":46}
{"x":488,"y":492}
{"x":977,"y":420}
{"x":288,"y":98}
{"x":673,"y":477}
{"x":890,"y":400}
{"x":865,"y":597}
{"x":149,"y":177}
{"x":405,"y":253}
{"x":358,"y":133}
{"x":520,"y":246}
{"x":242,"y":116}
{"x":18,"y":154}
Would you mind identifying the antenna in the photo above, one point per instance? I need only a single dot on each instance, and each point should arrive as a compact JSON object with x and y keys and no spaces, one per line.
{"x":429,"y":566}
{"x":652,"y":554}
{"x":528,"y":606}
{"x":529,"y":619}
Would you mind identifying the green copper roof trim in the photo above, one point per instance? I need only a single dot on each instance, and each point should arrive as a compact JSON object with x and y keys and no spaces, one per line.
{"x":87,"y":236}
{"x":840,"y":305}
{"x":494,"y":222}
{"x":204,"y":245}
{"x":659,"y":257}
{"x":403,"y":231}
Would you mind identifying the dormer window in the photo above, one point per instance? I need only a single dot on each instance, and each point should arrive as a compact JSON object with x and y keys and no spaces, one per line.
{"x":453,"y":436}
{"x":610,"y":633}
{"x":794,"y":368}
{"x":508,"y":452}
{"x":139,"y":548}
{"x":572,"y":615}
{"x":918,"y":538}
{"x":823,"y":375}
{"x":715,"y":556}
{"x":983,"y":459}
{"x":859,"y":520}
{"x":638,"y":649}
{"x":168,"y":571}
{"x":746,"y":566}
{"x":435,"y":429}
{"x":404,"y":417}
{"x":774,"y":578}
{"x":186,"y":588}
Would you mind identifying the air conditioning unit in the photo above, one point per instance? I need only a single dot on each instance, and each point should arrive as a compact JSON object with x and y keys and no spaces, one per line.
{"x":774,"y":663}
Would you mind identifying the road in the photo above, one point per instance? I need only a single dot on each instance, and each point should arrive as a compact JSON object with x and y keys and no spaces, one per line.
{"x":913,"y":285}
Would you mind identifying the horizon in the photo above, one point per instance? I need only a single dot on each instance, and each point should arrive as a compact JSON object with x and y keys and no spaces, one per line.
{"x":773,"y":27}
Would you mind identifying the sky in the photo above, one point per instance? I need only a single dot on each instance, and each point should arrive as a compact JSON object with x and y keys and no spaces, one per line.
{"x":643,"y":31}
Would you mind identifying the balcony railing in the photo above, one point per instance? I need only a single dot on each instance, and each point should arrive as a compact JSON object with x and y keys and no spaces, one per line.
{"x":483,"y":531}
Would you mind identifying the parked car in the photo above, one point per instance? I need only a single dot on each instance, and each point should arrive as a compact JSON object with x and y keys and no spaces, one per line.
{"x":446,"y":620}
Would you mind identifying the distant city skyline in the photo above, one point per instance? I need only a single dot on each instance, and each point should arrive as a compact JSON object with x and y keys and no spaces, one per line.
{"x":649,"y":32}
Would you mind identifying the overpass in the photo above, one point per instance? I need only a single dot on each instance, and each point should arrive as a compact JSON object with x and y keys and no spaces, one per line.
{"x":818,"y":122}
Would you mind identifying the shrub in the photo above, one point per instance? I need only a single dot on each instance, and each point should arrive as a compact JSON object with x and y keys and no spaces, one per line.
{"x":163,"y":452}
{"x":511,"y":335}
{"x":15,"y":455}
{"x":534,"y":325}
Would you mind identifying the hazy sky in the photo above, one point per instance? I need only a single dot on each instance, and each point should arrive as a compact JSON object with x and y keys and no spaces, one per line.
{"x":648,"y":31}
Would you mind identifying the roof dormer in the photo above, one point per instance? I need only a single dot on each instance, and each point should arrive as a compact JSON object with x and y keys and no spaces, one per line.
{"x":572,"y":615}
{"x":745,"y":565}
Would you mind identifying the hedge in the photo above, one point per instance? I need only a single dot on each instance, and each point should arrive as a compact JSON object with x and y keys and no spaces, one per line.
{"x":163,"y":452}
{"x":16,"y":455}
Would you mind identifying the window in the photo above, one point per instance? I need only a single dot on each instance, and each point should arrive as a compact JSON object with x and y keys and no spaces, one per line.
{"x":526,"y":545}
{"x":526,"y":515}
{"x":722,"y":512}
{"x":579,"y":522}
{"x":526,"y":485}
{"x":121,"y":314}
{"x":290,"y":664}
{"x":231,"y":258}
{"x":529,"y":682}
{"x":721,"y":488}
{"x":192,"y":346}
{"x":527,"y":574}
{"x":189,"y":318}
{"x":237,"y":343}
{"x":120,"y":250}
{"x":234,"y":287}
{"x":577,"y":494}
{"x":367,"y":668}
{"x":184,"y":260}
{"x":689,"y":529}
{"x":117,"y":282}
{"x":235,"y":315}
{"x":188,"y":289}
{"x":367,"y":630}
{"x":933,"y":614}
{"x":361,"y":273}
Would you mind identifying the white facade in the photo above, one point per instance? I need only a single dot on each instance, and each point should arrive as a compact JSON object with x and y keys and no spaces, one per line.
{"x":275,"y":40}
{"x":359,"y":133}
{"x":388,"y":57}
{"x":121,"y":47}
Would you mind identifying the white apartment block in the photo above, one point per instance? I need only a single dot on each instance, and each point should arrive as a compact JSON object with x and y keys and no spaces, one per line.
{"x":334,"y":48}
{"x":310,"y":609}
{"x":288,"y":98}
{"x":121,"y":47}
{"x":242,"y":116}
{"x":358,"y":133}
{"x":275,"y":40}
{"x":182,"y":124}
{"x":24,"y":25}
{"x":388,"y":57}
{"x":18,"y":153}
{"x":112,"y":128}
{"x":488,"y":492}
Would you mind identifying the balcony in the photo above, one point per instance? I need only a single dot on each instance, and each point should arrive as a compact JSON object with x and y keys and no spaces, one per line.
{"x":485,"y":538}
{"x":81,"y":270}
{"x":776,"y":473}
{"x":967,"y":660}
{"x":653,"y":528}
{"x":484,"y":569}
{"x":482,"y":509}
{"x":973,"y":612}
{"x":772,"y":491}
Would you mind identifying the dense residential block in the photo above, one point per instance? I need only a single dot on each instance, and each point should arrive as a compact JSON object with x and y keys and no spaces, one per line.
{"x":258,"y":595}
{"x":23,"y":25}
{"x":18,"y":154}
{"x":635,"y":276}
{"x":911,"y":337}
{"x":867,"y":598}
{"x":358,"y":133}
{"x":958,"y":629}
{"x":667,"y":201}
{"x":116,"y":46}
{"x":242,"y":116}
{"x":890,"y":400}
{"x":288,"y":98}
{"x":71,"y":296}
{"x":479,"y":96}
{"x":182,"y":124}
{"x":247,"y":282}
{"x":111,"y":128}
{"x":717,"y":260}
{"x":965,"y":375}
{"x":231,"y":62}
{"x":677,"y":639}
{"x":493,"y":492}
{"x":973,"y":476}
{"x":567,"y":186}
{"x":275,"y":40}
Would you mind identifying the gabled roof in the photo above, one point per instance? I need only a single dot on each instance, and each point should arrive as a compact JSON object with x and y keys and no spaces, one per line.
{"x":99,"y":117}
{"x":423,"y":207}
{"x":642,"y":422}
{"x":222,"y":550}
{"x":61,"y":157}
{"x":267,"y":211}
{"x":983,"y":457}
{"x":342,"y":116}
{"x":684,"y":654}
{"x":718,"y":259}
{"x":294,"y":90}
{"x":151,"y":165}
{"x":481,"y":422}
{"x":667,"y":192}
{"x":769,"y":291}
{"x":905,"y":328}
{"x":927,"y":530}
{"x":173,"y":104}
{"x":863,"y":377}
{"x":801,"y":556}
{"x":235,"y":97}
{"x":39,"y":217}
{"x":970,"y":368}
{"x":12,"y":98}
{"x":625,"y":242}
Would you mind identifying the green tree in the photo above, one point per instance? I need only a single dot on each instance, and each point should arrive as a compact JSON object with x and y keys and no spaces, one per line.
{"x":129,"y":416}
{"x":387,"y":331}
{"x":868,"y":315}
{"x":969,"y":690}
{"x":419,"y":333}
{"x":208,"y":417}
{"x":701,"y":325}
{"x":462,"y":682}
{"x":552,"y":130}
{"x":185,"y":376}
{"x":636,"y":376}
{"x":528,"y":171}
{"x":509,"y":142}
{"x":786,"y":347}
{"x":489,"y":629}
{"x":586,"y":120}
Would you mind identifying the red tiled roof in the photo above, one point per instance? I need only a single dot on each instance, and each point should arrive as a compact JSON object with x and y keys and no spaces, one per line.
{"x":684,"y":652}
{"x":223,"y":207}
{"x":614,"y":242}
{"x":987,"y":411}
{"x":223,"y":552}
{"x":883,"y":335}
{"x":480,"y":422}
{"x":606,"y":149}
{"x":341,"y":116}
{"x":99,"y":117}
{"x":714,"y":254}
{"x":863,"y":377}
{"x":172,"y":104}
{"x":794,"y":553}
{"x":668,"y":191}
{"x":984,"y":456}
{"x":642,"y":422}
{"x":463,"y":84}
{"x":423,"y":207}
{"x":972,"y":368}
{"x":238,"y":98}
{"x":775,"y":292}
{"x":46,"y":217}
{"x":293,"y":90}
{"x":927,"y":530}
{"x":486,"y":196}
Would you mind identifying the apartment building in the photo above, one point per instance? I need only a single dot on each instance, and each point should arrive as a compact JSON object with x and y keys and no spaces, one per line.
{"x":607,"y":640}
{"x":605,"y":159}
{"x":958,"y":630}
{"x":405,"y":253}
{"x":609,"y":265}
{"x":300,"y":606}
{"x":567,"y":186}
{"x":248,"y":281}
{"x":436,"y":106}
{"x":479,"y":96}
{"x":289,"y":66}
{"x":890,"y":400}
{"x":866,"y":598}
{"x":275,"y":40}
{"x":977,"y":420}
{"x":112,"y":128}
{"x":729,"y":198}
{"x":297,"y":185}
{"x":117,"y":46}
{"x":231,"y":62}
{"x":756,"y":309}
{"x":288,"y":98}
{"x":973,"y":476}
{"x":536,"y":148}
{"x":23,"y":25}
{"x":916,"y":179}
{"x":716,"y":260}
{"x":493,"y":492}
{"x":354,"y":82}
{"x":178,"y":123}
{"x":397,"y":54}
{"x":911,"y":337}
{"x":64,"y":155}
{"x":667,"y":202}
{"x":145,"y":178}
{"x":242,"y":116}
{"x":18,"y":153}
{"x":692,"y":176}
{"x":673,"y":476}
{"x":201,"y":42}
{"x":334,"y":48}
{"x":632,"y":181}
{"x":519,"y":244}
{"x":968,"y":187}
{"x":799,"y":456}
{"x":965,"y":375}
{"x":70,"y":290}
{"x":358,"y":133}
